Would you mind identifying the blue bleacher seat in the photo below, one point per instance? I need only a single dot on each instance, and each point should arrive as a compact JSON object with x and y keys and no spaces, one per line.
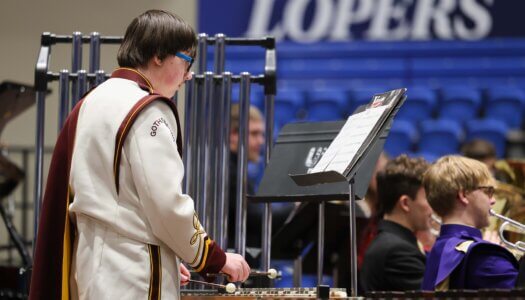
{"x":459,"y":103}
{"x":440,"y":137}
{"x":491,"y":130}
{"x":419,"y":105}
{"x":337,"y":68}
{"x":256,"y":96}
{"x":326,"y":105}
{"x":288,"y":105}
{"x":237,"y":66}
{"x":505,"y":103}
{"x":401,"y":138}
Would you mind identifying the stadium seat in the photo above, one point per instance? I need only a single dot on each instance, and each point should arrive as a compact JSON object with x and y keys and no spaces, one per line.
{"x":440,"y":137}
{"x":288,"y":104}
{"x":491,"y":130}
{"x":237,"y":66}
{"x":401,"y":138}
{"x":326,"y":105}
{"x":459,"y":103}
{"x":507,"y":104}
{"x":419,"y":105}
{"x":256,"y":96}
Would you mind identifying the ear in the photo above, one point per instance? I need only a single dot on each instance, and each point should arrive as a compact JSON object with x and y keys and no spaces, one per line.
{"x":462,"y":197}
{"x":157,"y":61}
{"x":403,"y":203}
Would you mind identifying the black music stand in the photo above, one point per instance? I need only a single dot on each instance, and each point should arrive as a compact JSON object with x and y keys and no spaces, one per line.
{"x":294,"y":146}
{"x":348,"y":153}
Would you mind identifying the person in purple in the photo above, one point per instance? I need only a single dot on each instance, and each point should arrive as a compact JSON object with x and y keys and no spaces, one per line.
{"x":461,"y":191}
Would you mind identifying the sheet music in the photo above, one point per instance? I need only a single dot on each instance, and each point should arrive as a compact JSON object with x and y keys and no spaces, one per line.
{"x":347,"y":143}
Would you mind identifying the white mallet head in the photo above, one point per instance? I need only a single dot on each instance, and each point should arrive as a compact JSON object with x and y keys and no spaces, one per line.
{"x":272,"y":273}
{"x":230,"y":288}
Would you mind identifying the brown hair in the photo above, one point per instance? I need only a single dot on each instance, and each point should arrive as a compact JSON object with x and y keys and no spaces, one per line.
{"x":450,"y":175}
{"x":479,"y":149}
{"x":155,"y":33}
{"x":401,"y":176}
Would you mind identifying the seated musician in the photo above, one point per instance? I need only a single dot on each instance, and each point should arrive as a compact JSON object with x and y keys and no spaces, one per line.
{"x":394,"y":261}
{"x":461,"y":191}
{"x":508,"y":196}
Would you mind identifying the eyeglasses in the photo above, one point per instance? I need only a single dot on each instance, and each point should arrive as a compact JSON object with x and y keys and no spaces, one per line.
{"x":488,"y":190}
{"x":187,"y":58}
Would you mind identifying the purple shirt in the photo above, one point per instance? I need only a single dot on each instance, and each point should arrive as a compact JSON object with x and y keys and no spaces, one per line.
{"x":484,"y":265}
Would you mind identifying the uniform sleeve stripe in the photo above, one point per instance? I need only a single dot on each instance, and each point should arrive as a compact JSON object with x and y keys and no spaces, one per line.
{"x":204,"y":256}
{"x":122,"y":133}
{"x":156,"y":272}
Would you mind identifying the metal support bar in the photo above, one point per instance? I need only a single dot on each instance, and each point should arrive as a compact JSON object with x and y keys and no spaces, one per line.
{"x":353,"y":243}
{"x":270,"y":73}
{"x":203,"y":148}
{"x":92,"y":77}
{"x":267,"y":214}
{"x":42,"y":65}
{"x":267,"y":42}
{"x":198,"y":136}
{"x":100,"y":76}
{"x":39,"y":156}
{"x":219,"y":53}
{"x":41,"y":68}
{"x":196,"y":140}
{"x":49,"y":39}
{"x":223,"y":169}
{"x":242,"y":164}
{"x":189,"y":138}
{"x":297,"y":271}
{"x":207,"y":170}
{"x":76,"y":63}
{"x":202,"y":53}
{"x":25,"y":204}
{"x":320,"y":243}
{"x":260,"y":79}
{"x":218,"y":120}
{"x":94,"y":52}
{"x":81,"y":83}
{"x":63,"y":87}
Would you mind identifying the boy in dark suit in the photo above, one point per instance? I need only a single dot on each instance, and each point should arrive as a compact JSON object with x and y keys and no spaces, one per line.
{"x":394,"y":261}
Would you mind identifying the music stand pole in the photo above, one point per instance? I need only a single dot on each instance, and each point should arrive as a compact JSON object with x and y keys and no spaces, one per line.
{"x":353,"y":243}
{"x":320,"y":243}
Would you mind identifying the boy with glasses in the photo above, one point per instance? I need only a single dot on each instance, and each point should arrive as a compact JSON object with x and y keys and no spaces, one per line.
{"x":461,"y":191}
{"x":115,"y":223}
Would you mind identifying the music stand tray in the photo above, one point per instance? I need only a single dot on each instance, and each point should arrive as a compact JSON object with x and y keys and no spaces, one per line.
{"x":346,"y":155}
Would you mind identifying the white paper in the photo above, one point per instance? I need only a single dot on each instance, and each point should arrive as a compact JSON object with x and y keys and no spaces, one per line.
{"x":347,"y":143}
